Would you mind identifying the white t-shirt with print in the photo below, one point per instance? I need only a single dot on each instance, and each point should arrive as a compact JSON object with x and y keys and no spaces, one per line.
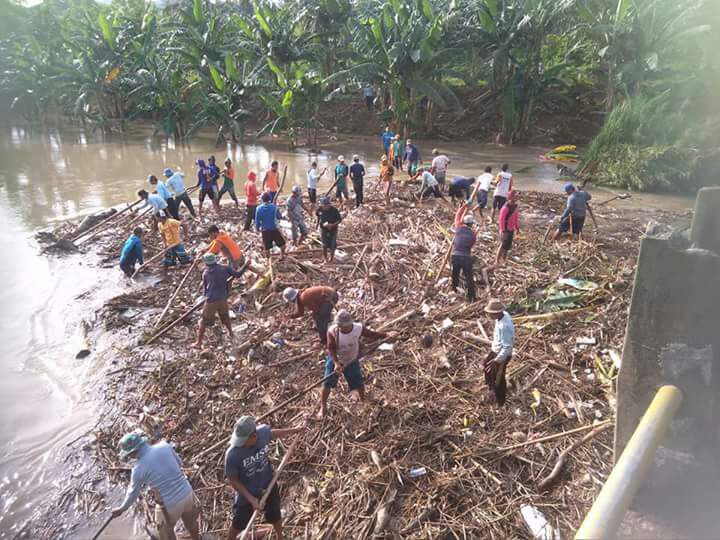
{"x":504,"y":180}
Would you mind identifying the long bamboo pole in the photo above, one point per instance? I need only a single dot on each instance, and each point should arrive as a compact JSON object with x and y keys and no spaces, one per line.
{"x":152,"y":259}
{"x":175,"y":293}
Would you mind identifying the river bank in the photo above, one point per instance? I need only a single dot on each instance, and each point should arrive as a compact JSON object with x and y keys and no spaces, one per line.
{"x":427,"y":407}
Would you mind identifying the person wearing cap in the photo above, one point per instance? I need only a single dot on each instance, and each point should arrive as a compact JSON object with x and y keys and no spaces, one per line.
{"x":249,"y":472}
{"x":343,"y":356}
{"x":170,"y":234}
{"x":573,"y":218}
{"x":501,"y":349}
{"x":216,"y":289}
{"x":228,"y":174}
{"x":177,"y":186}
{"x":387,"y":138}
{"x":266,"y":221}
{"x":357,"y":174}
{"x":411,"y":157}
{"x":460,"y":187}
{"x":503,"y":187}
{"x":397,"y":153}
{"x":319,"y":300}
{"x":461,"y":256}
{"x":429,"y":185}
{"x":440,"y":164}
{"x":205,"y":183}
{"x":159,"y":468}
{"x":328,"y":219}
{"x":386,"y":178}
{"x":295,"y":207}
{"x":251,"y":200}
{"x":132,"y":252}
{"x":341,"y":176}
{"x":163,"y":192}
{"x":508,"y":225}
{"x":271,"y":180}
{"x":313,"y":177}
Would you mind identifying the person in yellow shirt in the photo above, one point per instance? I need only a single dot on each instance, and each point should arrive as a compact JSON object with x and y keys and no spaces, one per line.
{"x":174,"y":249}
{"x":386,"y":177}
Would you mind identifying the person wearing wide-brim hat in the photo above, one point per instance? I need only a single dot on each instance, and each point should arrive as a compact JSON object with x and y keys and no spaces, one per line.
{"x":343,"y":356}
{"x":158,"y":467}
{"x":249,"y":472}
{"x":501,"y":349}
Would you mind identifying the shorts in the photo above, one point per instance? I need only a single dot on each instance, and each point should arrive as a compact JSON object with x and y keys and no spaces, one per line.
{"x":273,"y":513}
{"x":323,"y":317}
{"x":352,"y":373}
{"x":187,"y":510}
{"x":577,"y":225}
{"x":275,"y":236}
{"x":209,"y":192}
{"x":506,"y":240}
{"x":341,"y":192}
{"x":498,"y":202}
{"x":312,"y":195}
{"x":211,"y":309}
{"x":329,"y":238}
{"x":482,"y":198}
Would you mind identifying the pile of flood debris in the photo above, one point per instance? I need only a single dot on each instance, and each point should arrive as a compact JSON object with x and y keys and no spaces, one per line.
{"x":428,"y":455}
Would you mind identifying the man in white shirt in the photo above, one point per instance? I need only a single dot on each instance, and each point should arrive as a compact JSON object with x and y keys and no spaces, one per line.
{"x":484,"y":183}
{"x":440,"y":164}
{"x":313,"y":176}
{"x":503,"y":187}
{"x":501,"y":349}
{"x":429,"y":185}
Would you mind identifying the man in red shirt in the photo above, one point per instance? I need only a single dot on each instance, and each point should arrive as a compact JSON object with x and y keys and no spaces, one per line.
{"x":319,"y":300}
{"x":508,"y":224}
{"x":251,"y":200}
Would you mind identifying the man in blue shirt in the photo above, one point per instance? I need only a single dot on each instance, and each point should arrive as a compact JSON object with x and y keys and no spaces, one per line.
{"x":460,"y":187}
{"x":162,"y":190}
{"x":387,"y":138}
{"x":574,"y":215}
{"x":207,"y":187}
{"x":132,"y":252}
{"x":177,"y":186}
{"x":411,"y":157}
{"x":266,"y":221}
{"x":158,"y":467}
{"x":249,"y":472}
{"x":501,"y":349}
{"x":357,"y":173}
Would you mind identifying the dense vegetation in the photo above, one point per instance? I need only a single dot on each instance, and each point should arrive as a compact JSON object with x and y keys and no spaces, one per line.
{"x":649,"y":65}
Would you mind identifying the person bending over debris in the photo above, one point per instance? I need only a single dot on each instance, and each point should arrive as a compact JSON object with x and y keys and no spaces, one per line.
{"x":574,"y":215}
{"x":429,"y":185}
{"x":343,"y":348}
{"x":503,"y":187}
{"x":500,"y":351}
{"x":207,"y":186}
{"x":295,"y":209}
{"x":249,"y":472}
{"x":132,"y":252}
{"x":216,"y":290}
{"x":251,"y":200}
{"x":328,"y":219}
{"x":174,"y":249}
{"x":158,"y":466}
{"x":462,"y":260}
{"x":228,"y":174}
{"x":266,"y":218}
{"x":222,"y":243}
{"x":164,"y":193}
{"x":320,"y":300}
{"x":460,"y":187}
{"x":159,"y":206}
{"x":508,"y":225}
{"x":177,"y":185}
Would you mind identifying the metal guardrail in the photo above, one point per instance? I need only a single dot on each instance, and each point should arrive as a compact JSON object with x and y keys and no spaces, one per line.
{"x":619,"y":490}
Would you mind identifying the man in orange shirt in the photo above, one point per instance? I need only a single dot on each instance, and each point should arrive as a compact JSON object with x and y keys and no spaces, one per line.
{"x":271,"y":182}
{"x":251,"y":200}
{"x":386,"y":177}
{"x":221,"y":243}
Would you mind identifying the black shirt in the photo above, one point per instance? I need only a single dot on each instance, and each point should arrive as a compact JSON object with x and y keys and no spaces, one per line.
{"x":330,"y":215}
{"x":357,"y":171}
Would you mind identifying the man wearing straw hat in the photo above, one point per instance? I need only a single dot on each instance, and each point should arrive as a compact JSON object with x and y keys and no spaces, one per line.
{"x":249,"y":473}
{"x":158,"y":466}
{"x":500,"y":350}
{"x":343,"y":356}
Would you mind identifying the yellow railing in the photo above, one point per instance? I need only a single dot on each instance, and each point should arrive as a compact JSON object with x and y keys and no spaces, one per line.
{"x":617,"y":494}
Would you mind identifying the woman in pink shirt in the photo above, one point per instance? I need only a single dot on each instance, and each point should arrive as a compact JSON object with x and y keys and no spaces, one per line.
{"x":508,"y":224}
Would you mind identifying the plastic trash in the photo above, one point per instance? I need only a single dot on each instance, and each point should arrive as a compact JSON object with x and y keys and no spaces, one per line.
{"x":579,"y":284}
{"x":417,"y":471}
{"x":447,"y":323}
{"x":538,"y":524}
{"x":386,"y":347}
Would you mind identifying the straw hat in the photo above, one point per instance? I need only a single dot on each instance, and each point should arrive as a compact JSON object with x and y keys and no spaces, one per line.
{"x":494,"y":306}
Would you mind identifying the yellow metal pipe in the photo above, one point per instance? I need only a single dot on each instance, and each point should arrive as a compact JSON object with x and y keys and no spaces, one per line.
{"x":617,"y":494}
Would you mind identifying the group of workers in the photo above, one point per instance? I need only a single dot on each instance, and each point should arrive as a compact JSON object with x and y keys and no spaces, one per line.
{"x":247,"y":467}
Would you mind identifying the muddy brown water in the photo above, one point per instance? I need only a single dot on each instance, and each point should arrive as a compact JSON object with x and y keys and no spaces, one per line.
{"x":46,"y":397}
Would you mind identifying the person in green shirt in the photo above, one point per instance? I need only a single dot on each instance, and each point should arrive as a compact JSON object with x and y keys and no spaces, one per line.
{"x":228,"y":174}
{"x":397,"y":153}
{"x":341,"y":186}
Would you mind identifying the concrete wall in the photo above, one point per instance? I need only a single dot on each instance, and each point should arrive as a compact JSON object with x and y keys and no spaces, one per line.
{"x":673,"y":333}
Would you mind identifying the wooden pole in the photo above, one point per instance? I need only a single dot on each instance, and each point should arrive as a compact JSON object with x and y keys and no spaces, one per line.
{"x":282,"y":185}
{"x":175,"y":322}
{"x":104,"y":526}
{"x":105,"y":221}
{"x":177,"y":290}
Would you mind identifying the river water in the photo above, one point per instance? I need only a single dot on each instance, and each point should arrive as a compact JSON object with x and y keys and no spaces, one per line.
{"x":45,"y":176}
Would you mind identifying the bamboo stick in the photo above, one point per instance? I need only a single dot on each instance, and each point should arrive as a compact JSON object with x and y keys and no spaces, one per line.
{"x":152,"y":259}
{"x":174,"y":294}
{"x":104,"y":221}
